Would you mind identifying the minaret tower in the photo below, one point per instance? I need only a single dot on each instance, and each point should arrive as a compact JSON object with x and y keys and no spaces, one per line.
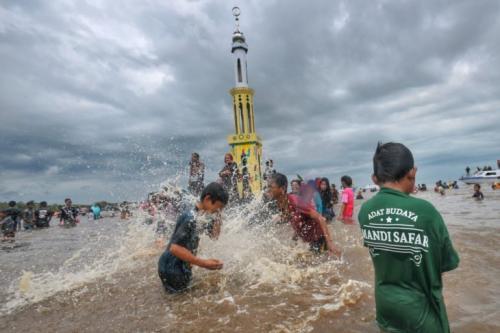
{"x":246,"y":145}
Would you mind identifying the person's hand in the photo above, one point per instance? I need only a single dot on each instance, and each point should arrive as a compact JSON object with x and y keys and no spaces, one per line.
{"x":213,"y":264}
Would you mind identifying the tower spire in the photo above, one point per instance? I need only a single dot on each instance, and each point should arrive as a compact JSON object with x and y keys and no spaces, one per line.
{"x":246,"y":145}
{"x":236,"y":14}
{"x":239,"y":49}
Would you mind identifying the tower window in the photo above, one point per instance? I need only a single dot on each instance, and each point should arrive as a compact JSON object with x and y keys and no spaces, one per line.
{"x":242,"y":119}
{"x":235,"y":119}
{"x":246,"y":70}
{"x":250,"y":118}
{"x":240,"y":78}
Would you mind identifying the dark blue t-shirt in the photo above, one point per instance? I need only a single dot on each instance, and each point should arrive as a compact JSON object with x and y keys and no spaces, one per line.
{"x":185,"y":235}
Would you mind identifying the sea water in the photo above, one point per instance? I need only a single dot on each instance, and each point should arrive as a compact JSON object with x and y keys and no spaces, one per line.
{"x":102,"y":277}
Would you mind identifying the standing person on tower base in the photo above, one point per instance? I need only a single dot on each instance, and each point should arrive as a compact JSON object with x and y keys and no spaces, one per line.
{"x":229,"y":177}
{"x":196,"y":175}
{"x":409,"y":245}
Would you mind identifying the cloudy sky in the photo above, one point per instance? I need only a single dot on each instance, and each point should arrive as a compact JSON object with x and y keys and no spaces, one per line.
{"x":103,"y":99}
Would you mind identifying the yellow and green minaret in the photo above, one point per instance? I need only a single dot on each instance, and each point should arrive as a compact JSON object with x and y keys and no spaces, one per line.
{"x":246,"y":145}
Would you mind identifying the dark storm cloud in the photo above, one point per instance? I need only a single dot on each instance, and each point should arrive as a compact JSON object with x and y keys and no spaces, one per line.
{"x":106,"y":99}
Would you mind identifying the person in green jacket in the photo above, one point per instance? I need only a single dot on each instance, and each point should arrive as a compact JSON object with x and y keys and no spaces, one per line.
{"x":409,"y":246}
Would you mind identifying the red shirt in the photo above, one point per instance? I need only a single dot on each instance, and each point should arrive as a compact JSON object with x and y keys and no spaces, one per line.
{"x":348,"y":201}
{"x":307,"y":228}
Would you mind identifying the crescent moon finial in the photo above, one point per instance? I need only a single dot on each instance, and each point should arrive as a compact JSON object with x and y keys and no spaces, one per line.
{"x":236,"y":14}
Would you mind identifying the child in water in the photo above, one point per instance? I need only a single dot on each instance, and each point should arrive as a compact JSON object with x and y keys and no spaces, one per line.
{"x":300,"y":212}
{"x":174,"y":266}
{"x":478,"y":195}
{"x":347,"y":208}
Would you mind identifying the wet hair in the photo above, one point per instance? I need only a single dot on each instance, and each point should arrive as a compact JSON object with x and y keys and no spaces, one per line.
{"x":324,"y":179}
{"x":391,"y":162}
{"x":280,"y":180}
{"x":478,"y":186}
{"x":43,"y":204}
{"x":12,"y":203}
{"x":326,"y":195}
{"x":216,"y":193}
{"x":346,"y":180}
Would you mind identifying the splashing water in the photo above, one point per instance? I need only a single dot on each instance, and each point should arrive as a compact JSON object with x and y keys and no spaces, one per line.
{"x":110,"y":251}
{"x":269,"y":282}
{"x":256,"y":254}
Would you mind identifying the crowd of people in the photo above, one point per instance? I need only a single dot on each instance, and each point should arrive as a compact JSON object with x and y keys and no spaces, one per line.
{"x":308,"y":207}
{"x":13,"y":219}
{"x":406,"y":236}
{"x":324,"y":195}
{"x":441,"y":186}
{"x":478,"y":169}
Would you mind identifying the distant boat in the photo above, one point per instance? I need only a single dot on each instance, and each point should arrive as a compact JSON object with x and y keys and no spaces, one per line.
{"x":371,"y":188}
{"x":481,"y":177}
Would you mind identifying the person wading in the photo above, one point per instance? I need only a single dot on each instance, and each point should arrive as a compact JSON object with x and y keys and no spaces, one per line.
{"x":409,"y":246}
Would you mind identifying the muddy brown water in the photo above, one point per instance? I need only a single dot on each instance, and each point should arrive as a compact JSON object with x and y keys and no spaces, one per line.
{"x":101,"y":277}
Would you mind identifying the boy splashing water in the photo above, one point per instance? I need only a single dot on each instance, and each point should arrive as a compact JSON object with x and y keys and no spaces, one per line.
{"x":174,"y":266}
{"x":307,"y":223}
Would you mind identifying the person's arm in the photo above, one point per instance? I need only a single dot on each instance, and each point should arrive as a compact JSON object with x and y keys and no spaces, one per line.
{"x":185,"y":255}
{"x":344,"y":200}
{"x":341,"y":211}
{"x":332,"y":250}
